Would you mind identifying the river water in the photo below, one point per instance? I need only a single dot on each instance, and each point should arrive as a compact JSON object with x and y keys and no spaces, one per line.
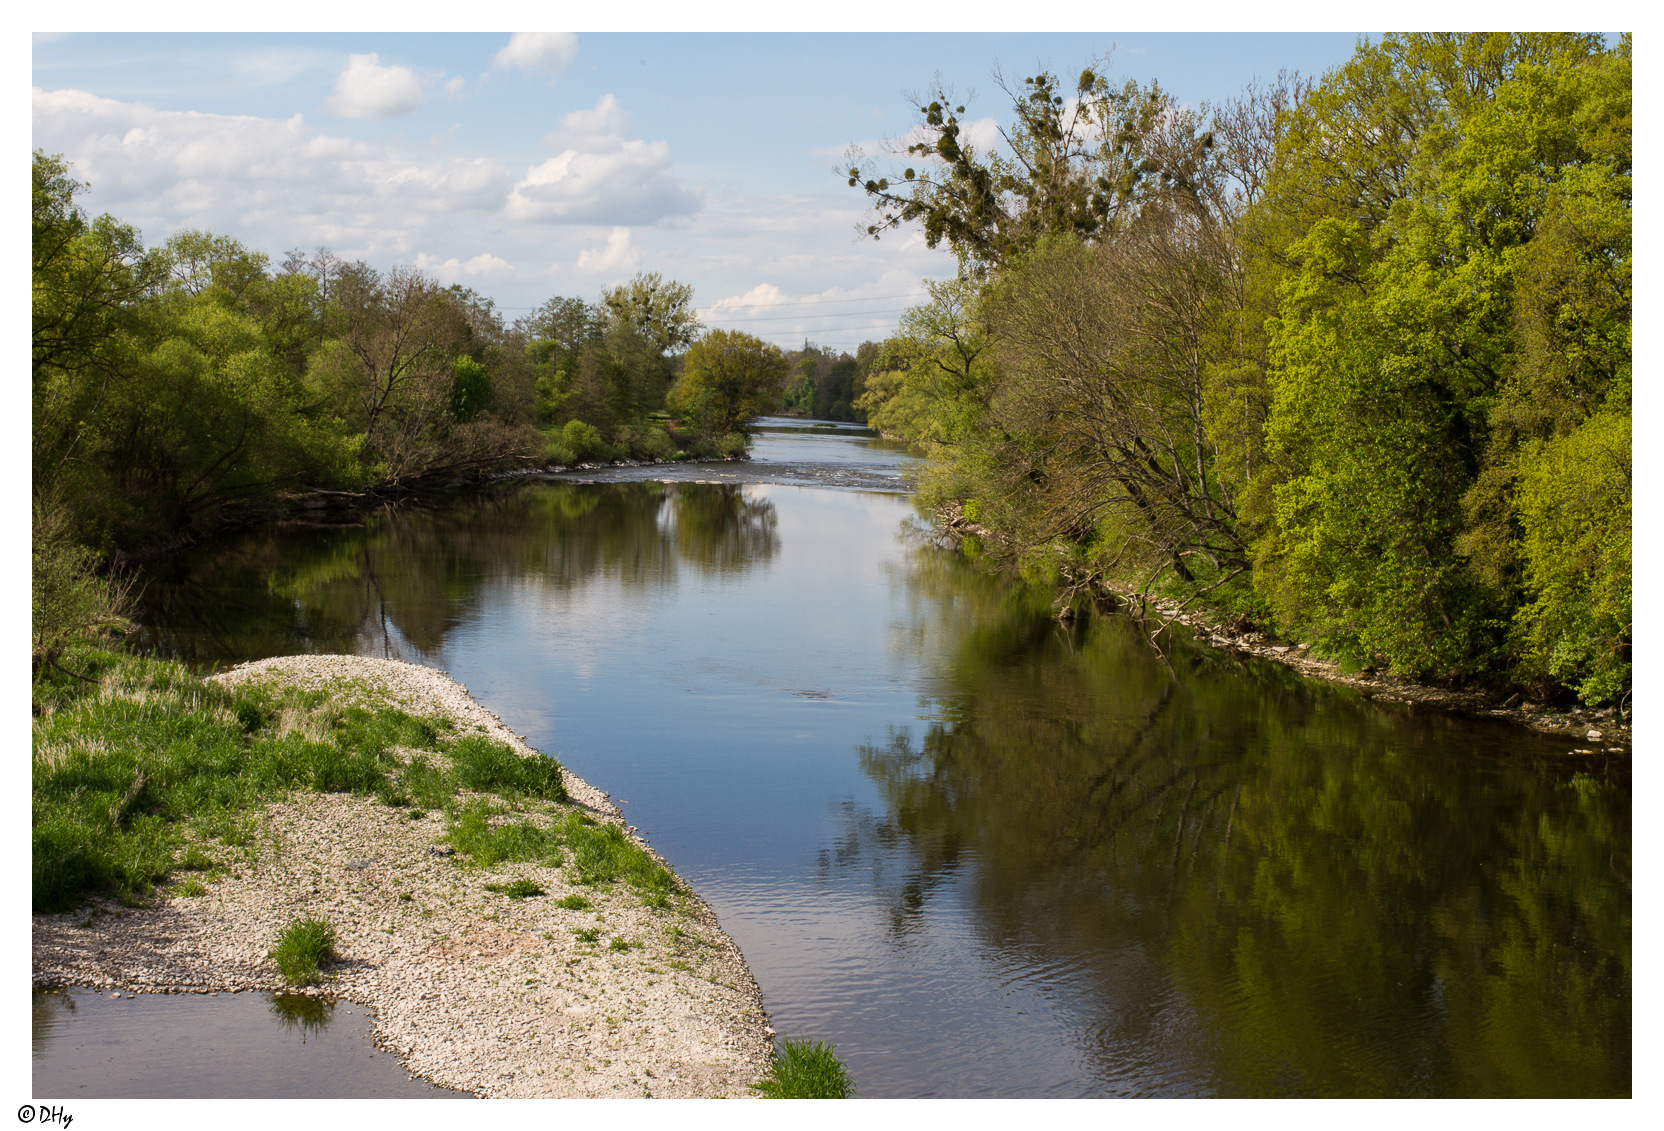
{"x":982,"y":854}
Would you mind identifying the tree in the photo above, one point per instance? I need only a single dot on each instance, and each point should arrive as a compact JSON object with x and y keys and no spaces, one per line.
{"x":729,"y":379}
{"x":661,"y":311}
{"x":88,"y":276}
{"x":1414,"y":184}
{"x":1074,"y":168}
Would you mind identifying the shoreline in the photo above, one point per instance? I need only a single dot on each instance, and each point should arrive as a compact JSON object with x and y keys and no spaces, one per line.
{"x":471,"y":989}
{"x":1601,"y":729}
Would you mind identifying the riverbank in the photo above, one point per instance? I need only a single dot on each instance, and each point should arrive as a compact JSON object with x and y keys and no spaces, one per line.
{"x":1598,"y":730}
{"x":584,"y":990}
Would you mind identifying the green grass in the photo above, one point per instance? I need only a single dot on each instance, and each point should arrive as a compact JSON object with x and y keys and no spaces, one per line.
{"x":519,"y":889}
{"x":133,"y":771}
{"x":487,"y":766}
{"x":603,"y":854}
{"x":488,"y":845}
{"x":587,"y":934}
{"x":301,"y":950}
{"x":573,"y":903}
{"x":619,"y":943}
{"x":806,"y":1070}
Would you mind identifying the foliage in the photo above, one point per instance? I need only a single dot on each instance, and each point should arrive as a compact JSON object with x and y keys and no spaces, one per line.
{"x":71,"y":604}
{"x":805,"y":1070}
{"x":302,"y":948}
{"x":729,"y":378}
{"x":1349,"y":357}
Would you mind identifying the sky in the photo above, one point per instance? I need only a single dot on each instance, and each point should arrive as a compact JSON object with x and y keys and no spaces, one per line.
{"x":529,"y":165}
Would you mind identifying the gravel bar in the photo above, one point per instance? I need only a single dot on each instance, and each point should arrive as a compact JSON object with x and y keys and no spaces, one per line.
{"x":473,"y":990}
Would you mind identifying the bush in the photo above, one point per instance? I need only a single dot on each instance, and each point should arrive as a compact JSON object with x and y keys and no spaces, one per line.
{"x":72,"y":605}
{"x":582,"y":440}
{"x":655,"y":443}
{"x":302,"y":948}
{"x":806,"y":1070}
{"x":733,"y":444}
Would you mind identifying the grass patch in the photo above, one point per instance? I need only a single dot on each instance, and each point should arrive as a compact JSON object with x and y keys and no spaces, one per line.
{"x":603,"y":854}
{"x":191,"y":888}
{"x":122,"y":765}
{"x":587,"y":934}
{"x":573,"y":903}
{"x":302,"y":949}
{"x":519,"y":889}
{"x":488,"y":766}
{"x":806,"y":1070}
{"x":619,"y":943}
{"x":472,"y":832}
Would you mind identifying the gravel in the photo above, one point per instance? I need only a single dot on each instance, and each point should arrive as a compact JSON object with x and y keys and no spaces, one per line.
{"x":471,"y":989}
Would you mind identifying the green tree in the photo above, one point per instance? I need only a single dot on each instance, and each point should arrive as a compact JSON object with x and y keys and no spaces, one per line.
{"x":729,"y":379}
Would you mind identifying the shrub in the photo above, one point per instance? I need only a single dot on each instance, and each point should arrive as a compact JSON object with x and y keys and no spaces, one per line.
{"x":806,"y":1070}
{"x":71,"y":604}
{"x":733,"y":444}
{"x":582,"y":441}
{"x":302,"y":948}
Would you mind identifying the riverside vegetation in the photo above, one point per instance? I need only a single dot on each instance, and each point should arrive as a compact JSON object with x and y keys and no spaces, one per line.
{"x":147,"y":771}
{"x":1348,"y":358}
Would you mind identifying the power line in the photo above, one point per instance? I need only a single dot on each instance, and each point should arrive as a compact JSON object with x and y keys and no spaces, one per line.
{"x":803,"y":317}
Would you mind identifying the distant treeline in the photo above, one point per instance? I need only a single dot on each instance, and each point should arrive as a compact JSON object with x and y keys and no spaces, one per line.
{"x":1350,"y":357}
{"x":175,"y":385}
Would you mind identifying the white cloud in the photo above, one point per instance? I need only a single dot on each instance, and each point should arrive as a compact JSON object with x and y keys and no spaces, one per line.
{"x":366,"y":89}
{"x":453,"y":87}
{"x":538,"y":53}
{"x":982,"y":133}
{"x":615,"y":255}
{"x":454,"y":269}
{"x":603,"y":125}
{"x":600,"y":176}
{"x":271,"y":182}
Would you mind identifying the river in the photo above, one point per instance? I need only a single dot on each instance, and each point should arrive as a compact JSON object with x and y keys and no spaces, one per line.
{"x":982,"y":853}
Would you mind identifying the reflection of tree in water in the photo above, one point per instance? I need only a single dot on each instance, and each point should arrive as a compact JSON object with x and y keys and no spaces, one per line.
{"x":301,"y":1013}
{"x":406,"y":578}
{"x":1347,"y":902}
{"x":720,"y":529}
{"x":47,"y":1007}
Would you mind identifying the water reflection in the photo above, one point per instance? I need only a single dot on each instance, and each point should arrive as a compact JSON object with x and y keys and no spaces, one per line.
{"x":301,"y":1013}
{"x":405,"y":578}
{"x":1326,"y":899}
{"x":983,"y":854}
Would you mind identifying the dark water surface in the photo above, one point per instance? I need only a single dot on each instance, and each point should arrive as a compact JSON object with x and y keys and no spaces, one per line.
{"x":86,"y":1045}
{"x":982,"y":854}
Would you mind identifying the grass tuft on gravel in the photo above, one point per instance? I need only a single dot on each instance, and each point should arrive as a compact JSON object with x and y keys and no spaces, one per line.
{"x":302,"y":948}
{"x":806,"y":1070}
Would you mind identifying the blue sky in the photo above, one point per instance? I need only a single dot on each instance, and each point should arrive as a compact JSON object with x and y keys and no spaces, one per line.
{"x":532,"y":166}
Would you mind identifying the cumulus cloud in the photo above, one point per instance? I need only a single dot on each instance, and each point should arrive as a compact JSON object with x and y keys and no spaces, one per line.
{"x":366,"y":89}
{"x":601,"y":176}
{"x":601,"y":126}
{"x":615,"y":255}
{"x":258,"y":178}
{"x":455,"y":269}
{"x":546,"y":53}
